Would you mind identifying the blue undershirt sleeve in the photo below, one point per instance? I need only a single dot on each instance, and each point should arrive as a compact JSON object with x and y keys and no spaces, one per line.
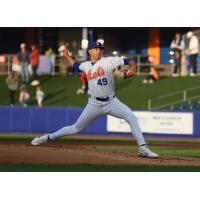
{"x":126,"y":61}
{"x":76,"y":67}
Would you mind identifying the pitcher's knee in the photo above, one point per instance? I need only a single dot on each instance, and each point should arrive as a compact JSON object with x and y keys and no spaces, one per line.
{"x":129,"y":117}
{"x":76,"y":129}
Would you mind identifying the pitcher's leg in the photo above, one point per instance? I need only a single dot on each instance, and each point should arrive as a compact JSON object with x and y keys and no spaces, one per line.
{"x":90,"y":113}
{"x":120,"y":110}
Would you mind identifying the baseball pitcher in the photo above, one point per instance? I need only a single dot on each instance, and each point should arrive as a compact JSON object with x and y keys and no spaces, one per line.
{"x":102,"y":100}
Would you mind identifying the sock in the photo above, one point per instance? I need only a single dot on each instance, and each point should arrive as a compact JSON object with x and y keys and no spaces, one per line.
{"x":143,"y":145}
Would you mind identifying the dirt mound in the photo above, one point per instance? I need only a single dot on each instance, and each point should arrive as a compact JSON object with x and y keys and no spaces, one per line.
{"x":60,"y":153}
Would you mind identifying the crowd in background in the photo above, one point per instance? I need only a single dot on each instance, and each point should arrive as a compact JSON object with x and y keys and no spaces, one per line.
{"x":24,"y":62}
{"x":184,"y":54}
{"x":25,"y":72}
{"x":14,"y":85}
{"x":27,"y":61}
{"x":180,"y":50}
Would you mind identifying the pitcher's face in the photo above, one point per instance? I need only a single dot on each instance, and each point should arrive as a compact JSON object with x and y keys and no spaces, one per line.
{"x":95,"y":54}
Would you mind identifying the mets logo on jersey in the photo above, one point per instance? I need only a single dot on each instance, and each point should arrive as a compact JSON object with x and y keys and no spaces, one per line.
{"x":98,"y":73}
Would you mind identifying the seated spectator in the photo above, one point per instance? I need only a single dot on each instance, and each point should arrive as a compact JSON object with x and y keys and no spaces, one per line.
{"x":12,"y":82}
{"x":154,"y":75}
{"x":24,"y":96}
{"x":39,"y":96}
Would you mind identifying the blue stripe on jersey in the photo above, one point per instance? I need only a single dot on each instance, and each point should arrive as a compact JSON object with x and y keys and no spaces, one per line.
{"x":76,"y":67}
{"x":126,"y":61}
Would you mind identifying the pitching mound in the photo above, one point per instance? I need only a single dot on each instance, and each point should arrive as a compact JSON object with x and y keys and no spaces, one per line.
{"x":64,"y":153}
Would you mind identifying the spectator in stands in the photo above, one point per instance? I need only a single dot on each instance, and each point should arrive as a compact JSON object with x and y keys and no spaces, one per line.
{"x":84,"y":88}
{"x":49,"y":52}
{"x":39,"y":96}
{"x":12,"y":82}
{"x":177,"y":46}
{"x":15,"y":64}
{"x":193,"y":51}
{"x":24,"y":96}
{"x":23,"y":57}
{"x":64,"y":67}
{"x":153,"y":75}
{"x":52,"y":56}
{"x":34,"y":58}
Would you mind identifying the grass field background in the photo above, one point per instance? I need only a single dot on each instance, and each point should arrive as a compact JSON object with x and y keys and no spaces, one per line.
{"x":61,"y":91}
{"x":162,"y":150}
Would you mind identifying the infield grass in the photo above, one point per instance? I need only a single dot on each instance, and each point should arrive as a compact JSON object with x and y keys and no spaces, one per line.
{"x":170,"y":151}
{"x":100,"y":138}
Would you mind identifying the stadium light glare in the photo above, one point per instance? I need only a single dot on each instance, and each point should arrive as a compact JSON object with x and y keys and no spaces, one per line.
{"x":171,"y":61}
{"x":115,"y":53}
{"x":84,"y":44}
{"x":171,"y":53}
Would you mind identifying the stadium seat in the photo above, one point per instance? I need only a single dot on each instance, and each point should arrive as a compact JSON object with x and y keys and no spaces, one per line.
{"x":190,"y":105}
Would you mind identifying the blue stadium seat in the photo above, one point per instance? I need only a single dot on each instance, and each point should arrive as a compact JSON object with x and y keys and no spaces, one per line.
{"x":190,"y":105}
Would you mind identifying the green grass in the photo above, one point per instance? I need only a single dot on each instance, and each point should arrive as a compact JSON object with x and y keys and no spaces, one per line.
{"x":177,"y":151}
{"x":85,"y":138}
{"x":61,"y":91}
{"x":94,"y":168}
{"x":162,"y":150}
{"x":25,"y":137}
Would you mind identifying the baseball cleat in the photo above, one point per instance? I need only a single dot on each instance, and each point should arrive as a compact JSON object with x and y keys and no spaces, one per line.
{"x":40,"y":140}
{"x":144,"y":151}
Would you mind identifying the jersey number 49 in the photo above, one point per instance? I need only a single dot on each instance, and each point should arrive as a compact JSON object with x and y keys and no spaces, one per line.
{"x":102,"y":82}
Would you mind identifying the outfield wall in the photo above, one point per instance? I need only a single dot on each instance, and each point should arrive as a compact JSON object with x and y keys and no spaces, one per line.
{"x":49,"y":119}
{"x":42,"y":120}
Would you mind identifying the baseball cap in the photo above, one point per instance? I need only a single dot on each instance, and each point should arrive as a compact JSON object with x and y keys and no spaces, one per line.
{"x":189,"y":34}
{"x":94,"y":45}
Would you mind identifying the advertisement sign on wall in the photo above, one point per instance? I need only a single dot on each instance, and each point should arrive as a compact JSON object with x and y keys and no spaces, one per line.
{"x":155,"y":122}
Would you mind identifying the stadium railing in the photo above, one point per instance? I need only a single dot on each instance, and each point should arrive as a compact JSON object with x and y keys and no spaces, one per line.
{"x":6,"y":64}
{"x":175,"y":98}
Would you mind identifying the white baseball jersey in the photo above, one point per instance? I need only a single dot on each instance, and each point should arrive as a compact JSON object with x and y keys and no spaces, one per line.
{"x":100,"y":75}
{"x":101,"y":84}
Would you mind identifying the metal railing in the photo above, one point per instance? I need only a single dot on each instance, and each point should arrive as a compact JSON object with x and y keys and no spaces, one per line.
{"x":143,"y":67}
{"x":174,"y":98}
{"x":7,"y":65}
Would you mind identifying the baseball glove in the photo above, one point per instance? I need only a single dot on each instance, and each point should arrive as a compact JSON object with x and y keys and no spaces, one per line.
{"x":123,"y":72}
